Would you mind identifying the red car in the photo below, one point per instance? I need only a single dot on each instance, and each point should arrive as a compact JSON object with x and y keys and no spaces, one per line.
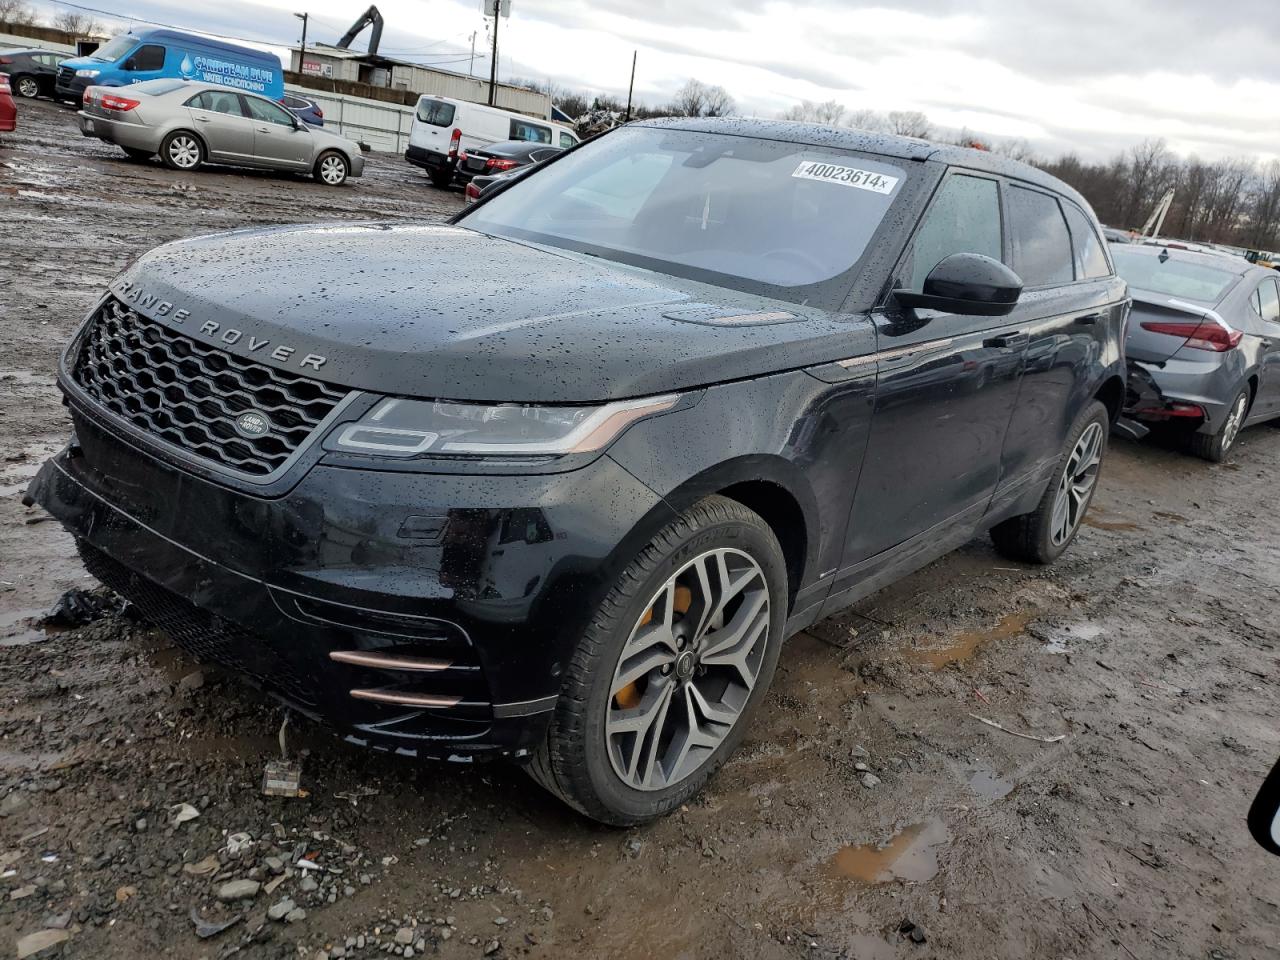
{"x":8,"y":112}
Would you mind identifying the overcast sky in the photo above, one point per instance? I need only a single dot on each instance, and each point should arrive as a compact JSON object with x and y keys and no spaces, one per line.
{"x":1090,"y":76}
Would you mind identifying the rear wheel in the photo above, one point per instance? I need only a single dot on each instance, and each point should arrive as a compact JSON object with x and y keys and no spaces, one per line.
{"x":1043,"y":534}
{"x":670,"y":669}
{"x":136,"y":155}
{"x":28,"y":87}
{"x":1215,"y":446}
{"x":441,"y":178}
{"x":182,"y":150}
{"x":331,"y":169}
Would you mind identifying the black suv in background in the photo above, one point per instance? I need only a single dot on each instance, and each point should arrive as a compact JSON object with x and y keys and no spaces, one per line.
{"x":555,"y":482}
{"x":31,"y":72}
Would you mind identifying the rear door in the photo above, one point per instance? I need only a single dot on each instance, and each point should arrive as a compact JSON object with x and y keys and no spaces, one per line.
{"x":1265,"y":304}
{"x":946,"y":385}
{"x":1071,"y":309}
{"x":279,"y":138}
{"x":219,"y":118}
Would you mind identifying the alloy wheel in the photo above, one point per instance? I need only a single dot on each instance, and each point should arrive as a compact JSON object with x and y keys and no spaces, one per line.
{"x":1235,"y":419}
{"x":687,"y":670}
{"x":1076,"y":487}
{"x":27,"y":87}
{"x":333,"y":170}
{"x":184,"y":151}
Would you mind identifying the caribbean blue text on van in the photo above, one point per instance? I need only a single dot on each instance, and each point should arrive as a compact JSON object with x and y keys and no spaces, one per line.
{"x":134,"y":57}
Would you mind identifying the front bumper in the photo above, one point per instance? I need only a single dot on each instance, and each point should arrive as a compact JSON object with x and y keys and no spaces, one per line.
{"x":73,"y":89}
{"x":461,"y":597}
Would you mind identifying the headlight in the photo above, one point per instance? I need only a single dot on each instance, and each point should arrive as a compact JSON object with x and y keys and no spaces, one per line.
{"x":87,"y":73}
{"x":412,"y":428}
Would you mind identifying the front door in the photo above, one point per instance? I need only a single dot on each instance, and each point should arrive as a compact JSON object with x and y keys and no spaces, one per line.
{"x":145,"y":63}
{"x":946,"y":386}
{"x":279,"y":140}
{"x":1265,"y":325}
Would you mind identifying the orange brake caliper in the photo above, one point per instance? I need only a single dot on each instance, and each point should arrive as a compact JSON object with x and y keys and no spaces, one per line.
{"x":629,"y":696}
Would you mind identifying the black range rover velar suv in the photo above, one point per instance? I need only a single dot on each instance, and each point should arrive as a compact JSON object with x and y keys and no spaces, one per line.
{"x":554,"y":482}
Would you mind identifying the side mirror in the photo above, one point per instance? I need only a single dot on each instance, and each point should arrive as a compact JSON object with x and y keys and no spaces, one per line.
{"x":1264,"y":815}
{"x":968,"y":284}
{"x":130,"y":64}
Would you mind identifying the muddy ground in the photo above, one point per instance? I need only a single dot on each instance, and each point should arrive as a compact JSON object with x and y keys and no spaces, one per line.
{"x":1151,"y":646}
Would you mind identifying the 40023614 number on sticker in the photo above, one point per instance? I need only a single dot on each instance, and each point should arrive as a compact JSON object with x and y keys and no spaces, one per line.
{"x":845,"y":176}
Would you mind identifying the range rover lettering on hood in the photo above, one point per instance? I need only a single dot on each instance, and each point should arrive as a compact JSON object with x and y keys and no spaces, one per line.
{"x":137,"y":296}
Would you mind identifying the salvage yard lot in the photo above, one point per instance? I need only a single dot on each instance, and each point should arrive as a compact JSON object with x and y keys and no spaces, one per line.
{"x":867,"y":793}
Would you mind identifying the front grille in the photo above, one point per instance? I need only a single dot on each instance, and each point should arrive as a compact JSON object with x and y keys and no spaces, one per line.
{"x":189,"y":394}
{"x":204,"y":635}
{"x":65,"y":76}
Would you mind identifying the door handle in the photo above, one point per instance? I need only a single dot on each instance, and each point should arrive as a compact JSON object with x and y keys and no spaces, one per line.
{"x":202,"y":119}
{"x":264,"y":129}
{"x":1089,"y":319}
{"x":1018,"y":339}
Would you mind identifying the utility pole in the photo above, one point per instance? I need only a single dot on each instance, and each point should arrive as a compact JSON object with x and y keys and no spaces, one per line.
{"x":302,"y":49}
{"x":632,"y":87}
{"x":493,"y":66}
{"x":472,"y":62}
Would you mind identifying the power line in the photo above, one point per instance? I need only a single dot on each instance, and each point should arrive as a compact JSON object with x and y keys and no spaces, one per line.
{"x":167,"y":26}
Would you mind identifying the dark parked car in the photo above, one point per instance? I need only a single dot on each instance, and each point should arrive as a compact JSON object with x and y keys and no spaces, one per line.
{"x":1203,"y":343}
{"x":501,"y":157}
{"x":554,"y":483}
{"x":304,"y":108}
{"x":478,"y":186}
{"x":31,"y":72}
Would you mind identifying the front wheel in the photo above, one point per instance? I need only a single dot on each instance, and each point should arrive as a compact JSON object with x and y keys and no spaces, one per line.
{"x":1214,"y":447}
{"x":27,"y":87}
{"x":1043,"y":534}
{"x":670,"y":669}
{"x":182,"y":150}
{"x":331,"y":169}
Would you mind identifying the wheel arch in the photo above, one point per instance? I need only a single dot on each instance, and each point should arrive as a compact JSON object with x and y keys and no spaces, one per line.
{"x":179,"y":128}
{"x":1111,"y":395}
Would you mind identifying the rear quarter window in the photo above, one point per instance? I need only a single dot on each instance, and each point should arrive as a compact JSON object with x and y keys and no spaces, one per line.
{"x":436,"y":112}
{"x":1042,"y":253}
{"x":1091,"y":259}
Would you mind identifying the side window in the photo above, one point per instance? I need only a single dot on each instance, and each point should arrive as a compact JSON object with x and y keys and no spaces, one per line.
{"x":217,"y":102}
{"x":268,"y":112}
{"x":1091,"y":261}
{"x":964,"y":218}
{"x":1269,"y":299}
{"x":1041,"y":244}
{"x":567,"y":141}
{"x":522,"y":130}
{"x":149,"y":56}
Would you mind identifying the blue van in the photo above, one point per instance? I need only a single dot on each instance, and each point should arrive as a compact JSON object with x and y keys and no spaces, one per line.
{"x":134,"y":57}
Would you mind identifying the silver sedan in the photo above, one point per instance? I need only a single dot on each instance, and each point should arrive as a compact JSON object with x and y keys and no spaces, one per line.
{"x":188,"y":124}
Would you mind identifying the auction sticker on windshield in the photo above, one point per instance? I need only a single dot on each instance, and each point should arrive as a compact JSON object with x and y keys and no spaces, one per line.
{"x":847,"y":176}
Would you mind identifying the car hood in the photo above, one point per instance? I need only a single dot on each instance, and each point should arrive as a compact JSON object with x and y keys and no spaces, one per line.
{"x":442,"y":311}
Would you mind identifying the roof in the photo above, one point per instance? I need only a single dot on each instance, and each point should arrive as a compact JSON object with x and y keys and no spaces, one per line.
{"x":883,"y":144}
{"x":193,"y":39}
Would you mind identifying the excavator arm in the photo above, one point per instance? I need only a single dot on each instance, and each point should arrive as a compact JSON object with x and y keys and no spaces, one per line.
{"x":370,"y":18}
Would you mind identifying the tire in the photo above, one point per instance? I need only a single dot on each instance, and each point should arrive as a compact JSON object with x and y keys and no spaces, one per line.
{"x":182,"y":150}
{"x":590,"y":768}
{"x":441,"y":179}
{"x":136,"y":155}
{"x":1042,"y":535}
{"x":331,"y":169}
{"x":1214,"y":447}
{"x":26,"y":86}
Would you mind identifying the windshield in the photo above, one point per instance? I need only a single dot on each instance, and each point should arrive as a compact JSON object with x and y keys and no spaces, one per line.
{"x":1173,"y":277}
{"x":746,"y":213}
{"x":116,"y":48}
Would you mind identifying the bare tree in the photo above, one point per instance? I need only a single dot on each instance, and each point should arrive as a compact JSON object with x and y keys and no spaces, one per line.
{"x":910,"y":123}
{"x":80,"y":24}
{"x":1264,"y":219}
{"x":697,"y":99}
{"x":17,"y":11}
{"x":866,"y":119}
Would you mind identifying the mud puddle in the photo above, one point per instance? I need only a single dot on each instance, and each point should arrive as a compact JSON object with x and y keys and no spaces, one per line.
{"x":910,"y":856}
{"x":965,"y":645}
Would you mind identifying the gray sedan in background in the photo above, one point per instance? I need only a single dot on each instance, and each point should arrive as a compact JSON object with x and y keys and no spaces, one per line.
{"x":188,"y":124}
{"x":1203,"y":343}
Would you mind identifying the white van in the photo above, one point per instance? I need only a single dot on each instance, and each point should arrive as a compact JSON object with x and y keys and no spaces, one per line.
{"x":443,"y":127}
